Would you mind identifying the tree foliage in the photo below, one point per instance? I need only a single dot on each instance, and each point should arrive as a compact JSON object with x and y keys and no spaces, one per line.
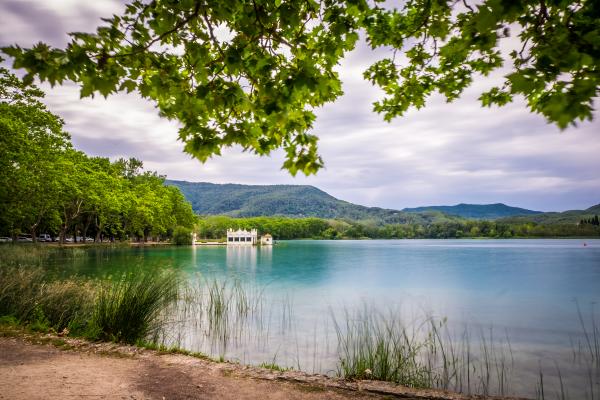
{"x":46,"y":185}
{"x":215,"y":227}
{"x":182,"y":236}
{"x":252,"y":72}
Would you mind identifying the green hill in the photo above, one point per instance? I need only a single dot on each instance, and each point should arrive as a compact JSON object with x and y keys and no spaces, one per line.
{"x":550,"y":218}
{"x":307,"y":201}
{"x":291,"y":201}
{"x":477,"y":211}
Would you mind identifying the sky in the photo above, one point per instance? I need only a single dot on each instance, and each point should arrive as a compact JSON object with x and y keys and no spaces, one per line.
{"x":443,"y":154}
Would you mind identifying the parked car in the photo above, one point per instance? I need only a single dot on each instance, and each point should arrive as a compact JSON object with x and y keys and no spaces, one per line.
{"x":89,"y":239}
{"x":44,"y":237}
{"x":4,"y":239}
{"x":24,"y":238}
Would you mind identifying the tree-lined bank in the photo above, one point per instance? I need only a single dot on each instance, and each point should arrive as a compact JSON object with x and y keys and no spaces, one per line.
{"x":46,"y":186}
{"x":215,"y":227}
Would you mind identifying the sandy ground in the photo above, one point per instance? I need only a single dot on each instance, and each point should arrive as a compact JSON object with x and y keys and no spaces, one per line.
{"x":55,"y":368}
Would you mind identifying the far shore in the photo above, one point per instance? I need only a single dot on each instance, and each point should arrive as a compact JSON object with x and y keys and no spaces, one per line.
{"x":216,"y":242}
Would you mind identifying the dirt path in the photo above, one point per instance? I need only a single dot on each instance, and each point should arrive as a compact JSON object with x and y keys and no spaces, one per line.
{"x":73,"y":369}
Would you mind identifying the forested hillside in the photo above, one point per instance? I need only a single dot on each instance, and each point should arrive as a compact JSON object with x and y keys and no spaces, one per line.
{"x":478,"y":211}
{"x":549,"y":218}
{"x":290,"y":201}
{"x":307,"y":201}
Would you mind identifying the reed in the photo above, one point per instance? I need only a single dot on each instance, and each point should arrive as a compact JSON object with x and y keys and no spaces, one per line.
{"x":30,"y":296}
{"x":130,"y":307}
{"x":426,"y":354}
{"x":124,"y":309}
{"x":374,"y":347}
{"x":223,"y":309}
{"x":36,"y":255}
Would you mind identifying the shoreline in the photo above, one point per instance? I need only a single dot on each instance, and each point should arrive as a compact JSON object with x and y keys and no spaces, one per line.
{"x":49,"y":359}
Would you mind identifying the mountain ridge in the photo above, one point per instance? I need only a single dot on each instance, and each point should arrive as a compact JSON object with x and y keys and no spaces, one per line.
{"x":238,"y":200}
{"x":477,"y":211}
{"x":564,"y":217}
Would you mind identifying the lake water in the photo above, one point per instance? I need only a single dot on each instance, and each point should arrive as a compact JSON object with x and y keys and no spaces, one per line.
{"x":519,"y":296}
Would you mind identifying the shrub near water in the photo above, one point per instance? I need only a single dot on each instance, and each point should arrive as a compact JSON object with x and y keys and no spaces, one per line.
{"x":182,"y":236}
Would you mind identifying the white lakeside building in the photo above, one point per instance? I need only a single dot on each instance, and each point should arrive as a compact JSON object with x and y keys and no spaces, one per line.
{"x":244,"y":237}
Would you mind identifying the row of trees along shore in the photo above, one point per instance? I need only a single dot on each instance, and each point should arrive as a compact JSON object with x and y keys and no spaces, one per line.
{"x":215,"y":227}
{"x":46,"y":186}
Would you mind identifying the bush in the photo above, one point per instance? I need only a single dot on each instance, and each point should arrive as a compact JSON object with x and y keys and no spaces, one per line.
{"x":182,"y":236}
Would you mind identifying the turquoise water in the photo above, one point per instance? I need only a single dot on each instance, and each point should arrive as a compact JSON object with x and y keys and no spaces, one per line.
{"x":525,"y":292}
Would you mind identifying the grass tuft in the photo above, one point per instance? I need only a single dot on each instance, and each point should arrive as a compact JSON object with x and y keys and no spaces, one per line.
{"x":130,"y":308}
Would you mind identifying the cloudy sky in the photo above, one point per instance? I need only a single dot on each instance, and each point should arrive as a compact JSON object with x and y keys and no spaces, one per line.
{"x":442,"y":154}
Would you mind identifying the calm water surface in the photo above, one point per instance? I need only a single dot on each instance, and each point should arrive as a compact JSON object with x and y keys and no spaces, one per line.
{"x":523,"y":290}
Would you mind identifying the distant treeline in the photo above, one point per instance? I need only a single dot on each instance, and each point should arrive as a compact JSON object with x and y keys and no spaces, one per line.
{"x":215,"y":227}
{"x":590,"y":221}
{"x":46,"y":186}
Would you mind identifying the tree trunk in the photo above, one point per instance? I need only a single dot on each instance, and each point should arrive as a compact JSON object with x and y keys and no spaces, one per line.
{"x":86,"y":226}
{"x":63,"y":233}
{"x":99,"y":227}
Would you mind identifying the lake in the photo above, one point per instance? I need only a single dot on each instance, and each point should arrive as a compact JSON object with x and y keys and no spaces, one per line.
{"x":531,"y":301}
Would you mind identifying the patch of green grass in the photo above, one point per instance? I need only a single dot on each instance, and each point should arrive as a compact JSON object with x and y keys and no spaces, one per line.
{"x":274,"y":367}
{"x":8,"y":320}
{"x":8,"y":328}
{"x":61,"y":344}
{"x":171,"y":350}
{"x":114,"y":354}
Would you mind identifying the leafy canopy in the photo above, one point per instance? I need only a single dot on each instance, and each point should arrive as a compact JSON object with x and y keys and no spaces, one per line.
{"x":48,"y":186}
{"x":252,"y":72}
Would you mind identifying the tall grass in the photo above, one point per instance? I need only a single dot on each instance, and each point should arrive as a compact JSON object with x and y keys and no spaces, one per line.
{"x":222,"y":309}
{"x":372,"y":347}
{"x":28,"y":295}
{"x":36,"y":254}
{"x":129,"y":308}
{"x":125,"y":309}
{"x":585,"y":361}
{"x":426,"y":354}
